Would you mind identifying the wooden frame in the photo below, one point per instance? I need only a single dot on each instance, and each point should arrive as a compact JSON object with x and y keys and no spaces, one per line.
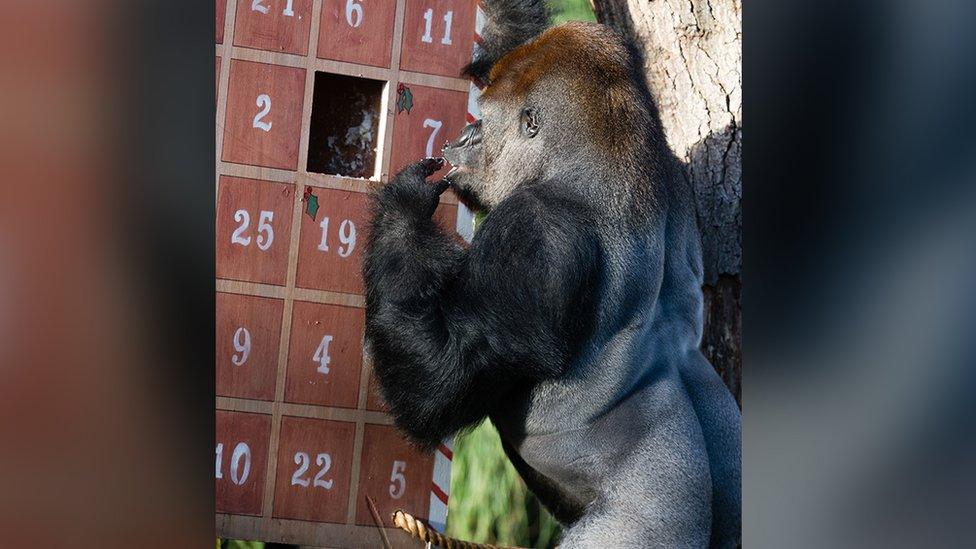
{"x":357,"y":416}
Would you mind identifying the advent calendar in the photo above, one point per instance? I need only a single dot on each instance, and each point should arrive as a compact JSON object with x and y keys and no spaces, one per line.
{"x":318,"y":102}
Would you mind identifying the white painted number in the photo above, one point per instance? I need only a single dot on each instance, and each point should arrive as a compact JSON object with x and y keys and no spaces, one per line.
{"x":325,"y":461}
{"x":429,"y":23}
{"x":242,"y":344}
{"x":263,"y":100}
{"x":264,"y":226}
{"x":241,"y":452}
{"x":244,"y":218}
{"x":303,"y":461}
{"x":436,"y":125}
{"x":220,"y":458}
{"x":398,"y":482}
{"x":322,"y":355}
{"x":354,"y":8}
{"x":347,"y":236}
{"x":324,"y":242}
{"x":258,"y":5}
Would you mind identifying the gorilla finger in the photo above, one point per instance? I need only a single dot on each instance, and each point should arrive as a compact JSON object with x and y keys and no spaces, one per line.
{"x":431,"y":165}
{"x":441,"y":186}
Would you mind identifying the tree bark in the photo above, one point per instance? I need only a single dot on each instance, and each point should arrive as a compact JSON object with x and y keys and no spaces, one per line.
{"x":693,"y":59}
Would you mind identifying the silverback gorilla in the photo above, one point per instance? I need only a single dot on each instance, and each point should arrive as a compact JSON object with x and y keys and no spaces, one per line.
{"x":573,"y":319}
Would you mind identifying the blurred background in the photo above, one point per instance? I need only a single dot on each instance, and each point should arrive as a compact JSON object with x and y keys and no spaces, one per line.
{"x":858,"y":278}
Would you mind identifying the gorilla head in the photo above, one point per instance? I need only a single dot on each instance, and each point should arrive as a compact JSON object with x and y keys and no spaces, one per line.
{"x":564,"y":104}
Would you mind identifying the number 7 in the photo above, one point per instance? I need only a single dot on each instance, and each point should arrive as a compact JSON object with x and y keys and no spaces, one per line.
{"x":436,"y":125}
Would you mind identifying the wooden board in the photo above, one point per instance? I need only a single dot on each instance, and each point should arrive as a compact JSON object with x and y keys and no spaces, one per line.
{"x":302,"y":434}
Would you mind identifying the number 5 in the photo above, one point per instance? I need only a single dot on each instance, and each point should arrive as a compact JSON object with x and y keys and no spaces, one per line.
{"x":436,"y":124}
{"x":398,"y":482}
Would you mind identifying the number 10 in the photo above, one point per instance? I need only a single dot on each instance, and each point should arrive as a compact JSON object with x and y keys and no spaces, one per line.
{"x":428,"y":23}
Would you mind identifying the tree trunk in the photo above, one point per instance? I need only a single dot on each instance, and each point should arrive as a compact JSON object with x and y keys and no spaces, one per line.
{"x":693,"y":55}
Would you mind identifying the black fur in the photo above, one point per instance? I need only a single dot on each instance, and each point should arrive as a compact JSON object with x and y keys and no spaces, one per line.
{"x":508,"y":24}
{"x":450,"y":333}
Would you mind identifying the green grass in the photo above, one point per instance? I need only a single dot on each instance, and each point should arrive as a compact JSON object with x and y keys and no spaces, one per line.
{"x":572,"y":10}
{"x":489,"y":502}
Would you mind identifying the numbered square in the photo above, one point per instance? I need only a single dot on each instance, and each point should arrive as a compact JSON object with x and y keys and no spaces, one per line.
{"x":325,"y":356}
{"x":393,"y":474}
{"x":241,"y":461}
{"x":435,"y":117}
{"x":253,"y":229}
{"x":248,"y":331}
{"x":438,"y":36}
{"x":330,"y":243}
{"x":314,"y":469}
{"x":273,"y":25}
{"x":263,"y":119}
{"x":357,"y":31}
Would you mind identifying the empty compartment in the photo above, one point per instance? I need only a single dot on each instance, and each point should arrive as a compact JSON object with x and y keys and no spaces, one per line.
{"x":344,"y":131}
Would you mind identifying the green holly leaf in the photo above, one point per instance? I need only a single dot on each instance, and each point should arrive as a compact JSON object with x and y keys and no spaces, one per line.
{"x":312,"y":205}
{"x":405,"y":100}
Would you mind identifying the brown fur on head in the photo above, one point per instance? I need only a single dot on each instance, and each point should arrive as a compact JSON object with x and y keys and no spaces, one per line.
{"x":577,"y":83}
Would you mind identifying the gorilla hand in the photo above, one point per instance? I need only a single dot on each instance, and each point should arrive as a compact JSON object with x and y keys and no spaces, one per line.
{"x":411,"y":192}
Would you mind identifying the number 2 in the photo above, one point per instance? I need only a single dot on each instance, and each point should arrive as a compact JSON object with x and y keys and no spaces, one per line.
{"x":436,"y":125}
{"x":263,"y":100}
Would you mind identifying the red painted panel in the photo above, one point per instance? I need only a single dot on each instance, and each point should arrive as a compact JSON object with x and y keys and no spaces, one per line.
{"x":253,"y":229}
{"x":436,"y":117}
{"x":274,"y":25}
{"x":264,"y":110}
{"x":221,"y":13}
{"x":323,"y":449}
{"x":394,"y":475}
{"x":334,"y":262}
{"x":248,"y":331}
{"x":357,"y":31}
{"x":241,"y":461}
{"x":438,"y":36}
{"x":325,"y":356}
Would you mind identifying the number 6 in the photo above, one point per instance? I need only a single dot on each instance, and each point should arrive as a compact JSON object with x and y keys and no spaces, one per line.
{"x":353,"y":7}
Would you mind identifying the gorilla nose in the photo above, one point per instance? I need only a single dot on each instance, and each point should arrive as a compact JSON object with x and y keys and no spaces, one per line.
{"x":470,"y":135}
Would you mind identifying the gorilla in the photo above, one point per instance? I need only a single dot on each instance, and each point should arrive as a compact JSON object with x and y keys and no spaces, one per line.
{"x":574,"y":317}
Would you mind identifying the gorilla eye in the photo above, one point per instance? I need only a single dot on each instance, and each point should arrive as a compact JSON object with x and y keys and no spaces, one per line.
{"x":530,"y":122}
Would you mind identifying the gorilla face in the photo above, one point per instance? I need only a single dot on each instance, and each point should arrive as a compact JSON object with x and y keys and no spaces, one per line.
{"x":496,"y":154}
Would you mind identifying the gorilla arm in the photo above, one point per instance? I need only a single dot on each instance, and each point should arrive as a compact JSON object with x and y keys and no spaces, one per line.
{"x":452,"y":330}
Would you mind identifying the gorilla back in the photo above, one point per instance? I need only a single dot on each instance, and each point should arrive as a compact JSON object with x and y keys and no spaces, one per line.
{"x":573,"y":319}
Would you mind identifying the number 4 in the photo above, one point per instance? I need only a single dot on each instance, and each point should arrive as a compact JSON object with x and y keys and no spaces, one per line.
{"x":322,"y":355}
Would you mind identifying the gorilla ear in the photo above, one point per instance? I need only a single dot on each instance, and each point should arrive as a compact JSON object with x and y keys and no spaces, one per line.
{"x":530,"y":122}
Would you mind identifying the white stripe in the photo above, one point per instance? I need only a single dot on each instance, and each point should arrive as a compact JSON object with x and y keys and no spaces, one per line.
{"x":438,"y":514}
{"x":442,"y":472}
{"x":479,"y":20}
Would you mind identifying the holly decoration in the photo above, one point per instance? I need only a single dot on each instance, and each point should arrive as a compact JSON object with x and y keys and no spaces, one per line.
{"x":311,"y":203}
{"x":404,"y":99}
